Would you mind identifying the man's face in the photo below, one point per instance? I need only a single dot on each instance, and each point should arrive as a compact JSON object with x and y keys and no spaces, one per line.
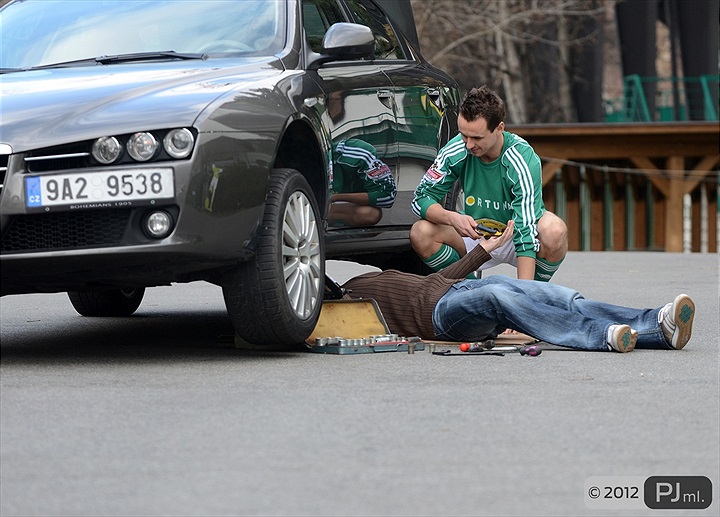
{"x":479,"y":140}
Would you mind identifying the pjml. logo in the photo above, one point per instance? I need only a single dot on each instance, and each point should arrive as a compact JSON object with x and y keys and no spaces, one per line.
{"x":678,"y":492}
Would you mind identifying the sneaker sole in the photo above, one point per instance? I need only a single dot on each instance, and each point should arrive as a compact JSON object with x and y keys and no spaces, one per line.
{"x":626,"y":341}
{"x":683,"y":318}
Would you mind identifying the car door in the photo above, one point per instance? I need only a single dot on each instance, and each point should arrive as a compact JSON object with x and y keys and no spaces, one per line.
{"x":360,"y":117}
{"x":426,"y":120}
{"x":421,"y":94}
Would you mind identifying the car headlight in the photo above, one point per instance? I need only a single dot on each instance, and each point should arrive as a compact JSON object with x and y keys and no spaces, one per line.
{"x":106,"y":149}
{"x":178,"y":143}
{"x":142,"y":146}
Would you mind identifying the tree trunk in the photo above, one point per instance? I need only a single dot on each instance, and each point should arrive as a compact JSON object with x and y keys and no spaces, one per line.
{"x":512,"y":82}
{"x":563,"y":68}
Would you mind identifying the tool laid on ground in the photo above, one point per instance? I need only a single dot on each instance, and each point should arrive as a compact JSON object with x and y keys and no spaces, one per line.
{"x":489,"y":344}
{"x":488,"y":347}
{"x":373,"y":344}
{"x":531,"y":351}
{"x":466,"y":354}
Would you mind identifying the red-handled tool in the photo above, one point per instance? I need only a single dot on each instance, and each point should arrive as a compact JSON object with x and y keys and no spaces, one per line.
{"x":489,"y":347}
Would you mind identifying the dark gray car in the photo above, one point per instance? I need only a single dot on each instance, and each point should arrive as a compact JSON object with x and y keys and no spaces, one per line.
{"x":236,"y":142}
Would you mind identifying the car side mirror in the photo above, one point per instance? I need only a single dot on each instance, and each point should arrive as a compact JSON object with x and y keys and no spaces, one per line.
{"x":345,"y":41}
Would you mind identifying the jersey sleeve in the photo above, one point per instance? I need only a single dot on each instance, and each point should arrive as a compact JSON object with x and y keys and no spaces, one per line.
{"x":366,"y":172}
{"x":380,"y":185}
{"x":525,"y":175}
{"x":440,"y":177}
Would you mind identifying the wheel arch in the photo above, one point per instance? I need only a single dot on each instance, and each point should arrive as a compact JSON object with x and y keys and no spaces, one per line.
{"x":299,"y":149}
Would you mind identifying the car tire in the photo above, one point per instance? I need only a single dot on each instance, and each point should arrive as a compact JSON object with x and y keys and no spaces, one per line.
{"x":455,"y":199}
{"x":112,"y":302}
{"x":275,"y":298}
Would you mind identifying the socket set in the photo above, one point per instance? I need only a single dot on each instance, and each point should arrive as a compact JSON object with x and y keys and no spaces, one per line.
{"x":368,"y":345}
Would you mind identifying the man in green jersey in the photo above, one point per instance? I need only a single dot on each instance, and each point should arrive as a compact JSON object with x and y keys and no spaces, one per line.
{"x":362,"y":185}
{"x":501,"y":178}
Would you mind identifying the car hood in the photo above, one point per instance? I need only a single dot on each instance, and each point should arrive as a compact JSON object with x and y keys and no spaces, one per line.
{"x":42,"y":108}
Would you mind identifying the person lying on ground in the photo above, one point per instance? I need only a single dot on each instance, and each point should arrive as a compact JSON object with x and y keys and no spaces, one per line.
{"x":448,"y":307}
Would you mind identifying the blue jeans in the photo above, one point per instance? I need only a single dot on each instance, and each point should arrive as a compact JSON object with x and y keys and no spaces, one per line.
{"x":473,"y":310}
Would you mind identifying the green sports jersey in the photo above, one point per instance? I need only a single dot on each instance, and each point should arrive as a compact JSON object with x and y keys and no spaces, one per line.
{"x":509,"y":187}
{"x":358,"y":169}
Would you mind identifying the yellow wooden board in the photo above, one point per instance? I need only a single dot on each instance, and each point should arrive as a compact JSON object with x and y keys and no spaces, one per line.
{"x":349,"y":319}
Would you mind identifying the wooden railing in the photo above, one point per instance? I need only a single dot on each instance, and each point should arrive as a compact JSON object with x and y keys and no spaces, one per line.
{"x":632,"y":186}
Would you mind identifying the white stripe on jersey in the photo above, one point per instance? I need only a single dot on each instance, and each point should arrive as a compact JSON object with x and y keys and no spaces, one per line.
{"x":525,"y":180}
{"x":359,"y":153}
{"x":449,"y":151}
{"x":386,"y":201}
{"x":527,"y":188}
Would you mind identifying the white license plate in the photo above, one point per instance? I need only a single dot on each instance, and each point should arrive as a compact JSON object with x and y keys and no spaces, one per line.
{"x":98,"y":187}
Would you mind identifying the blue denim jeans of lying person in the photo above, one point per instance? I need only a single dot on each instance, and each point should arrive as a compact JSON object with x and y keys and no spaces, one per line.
{"x":473,"y":310}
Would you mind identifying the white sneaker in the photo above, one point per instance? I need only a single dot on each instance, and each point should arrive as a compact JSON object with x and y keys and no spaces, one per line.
{"x":676,"y":321}
{"x":621,"y":338}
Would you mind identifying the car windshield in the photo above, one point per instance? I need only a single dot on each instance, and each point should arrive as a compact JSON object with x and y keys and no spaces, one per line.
{"x":48,"y":32}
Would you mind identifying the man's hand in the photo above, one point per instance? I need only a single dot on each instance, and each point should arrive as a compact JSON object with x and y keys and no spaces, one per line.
{"x":464,"y":225}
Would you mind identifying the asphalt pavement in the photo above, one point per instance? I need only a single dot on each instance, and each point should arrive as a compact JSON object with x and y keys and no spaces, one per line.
{"x":159,"y":414}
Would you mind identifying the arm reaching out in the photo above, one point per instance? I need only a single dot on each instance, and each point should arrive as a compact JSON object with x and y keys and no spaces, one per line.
{"x":494,"y":243}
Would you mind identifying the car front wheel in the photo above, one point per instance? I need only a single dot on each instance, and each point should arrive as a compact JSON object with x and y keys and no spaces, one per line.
{"x":112,"y":302}
{"x":275,"y":298}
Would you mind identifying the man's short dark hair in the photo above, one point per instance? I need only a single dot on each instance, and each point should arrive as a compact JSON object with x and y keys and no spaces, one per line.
{"x":483,"y":103}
